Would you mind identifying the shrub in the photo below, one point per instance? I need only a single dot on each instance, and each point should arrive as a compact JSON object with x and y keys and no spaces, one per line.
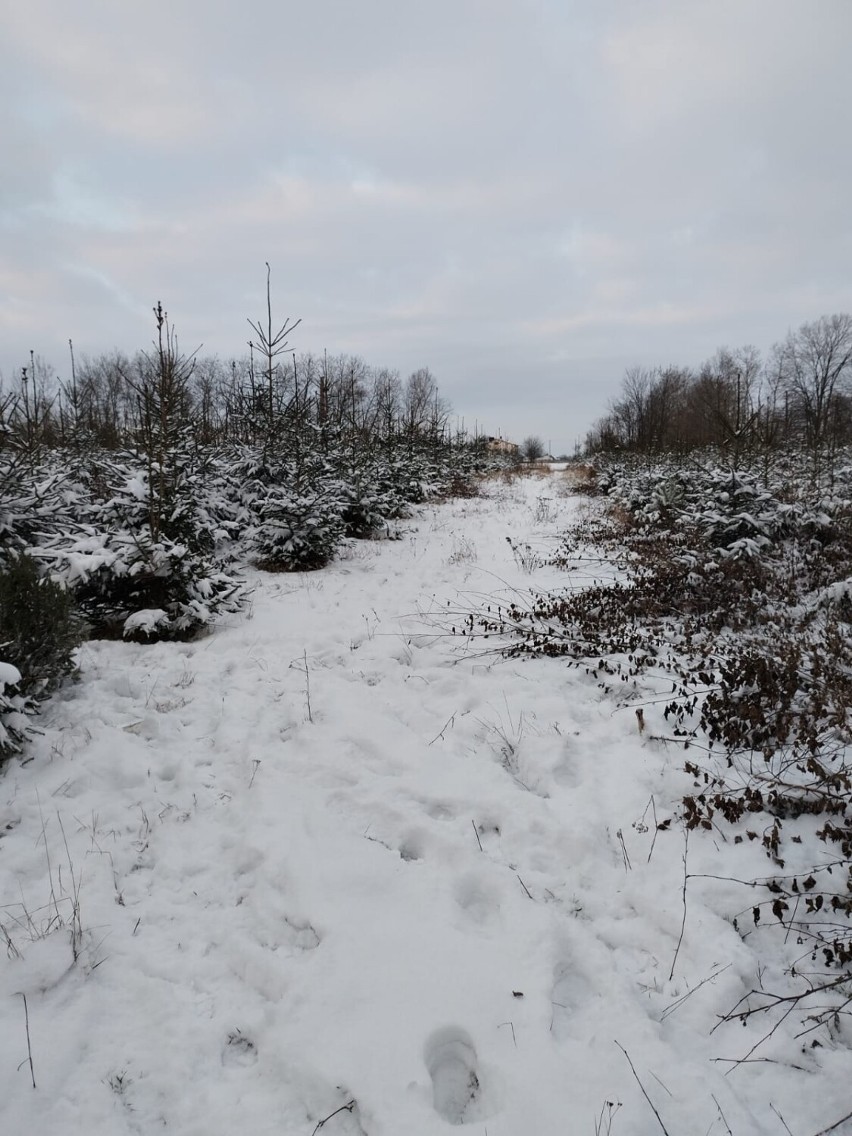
{"x":14,"y":712}
{"x":36,"y":501}
{"x":130,"y":579}
{"x":295,"y":531}
{"x":39,"y":627}
{"x":39,"y":630}
{"x":130,"y":586}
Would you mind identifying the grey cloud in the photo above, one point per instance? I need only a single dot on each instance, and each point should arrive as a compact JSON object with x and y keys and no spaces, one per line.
{"x":526,"y":195}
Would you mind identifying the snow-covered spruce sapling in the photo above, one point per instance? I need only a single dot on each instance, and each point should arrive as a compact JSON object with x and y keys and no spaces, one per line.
{"x":38,"y":499}
{"x":15,"y":712}
{"x":162,"y":389}
{"x":126,"y":582}
{"x":139,"y":563}
{"x":39,"y":626}
{"x":295,"y":531}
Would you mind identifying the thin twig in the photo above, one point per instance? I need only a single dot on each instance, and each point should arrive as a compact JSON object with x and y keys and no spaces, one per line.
{"x":722,"y":1115}
{"x":449,"y":722}
{"x":833,"y":1127}
{"x":683,"y":921}
{"x":76,"y":922}
{"x":766,"y":1037}
{"x":343,"y":1108}
{"x":29,"y":1044}
{"x":642,"y":1087}
{"x":792,"y":918}
{"x":781,"y":1118}
{"x":656,"y":829}
{"x":307,"y":685}
{"x":627,"y":865}
{"x":611,"y":1108}
{"x":665,"y":1088}
{"x":476,"y":833}
{"x":679,"y":1002}
{"x":523,"y":885}
{"x":11,"y":950}
{"x":47,"y":857}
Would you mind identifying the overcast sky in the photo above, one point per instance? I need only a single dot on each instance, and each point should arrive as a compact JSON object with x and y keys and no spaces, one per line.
{"x":524,"y":195}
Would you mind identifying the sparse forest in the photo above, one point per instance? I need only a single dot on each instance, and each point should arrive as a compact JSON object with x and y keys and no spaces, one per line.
{"x":134,"y":490}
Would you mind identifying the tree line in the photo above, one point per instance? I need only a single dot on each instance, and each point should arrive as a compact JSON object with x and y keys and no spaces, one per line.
{"x":800,"y":394}
{"x":106,"y":402}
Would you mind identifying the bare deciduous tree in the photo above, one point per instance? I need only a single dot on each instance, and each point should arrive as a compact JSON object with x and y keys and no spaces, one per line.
{"x":815,"y":366}
{"x":532,"y":448}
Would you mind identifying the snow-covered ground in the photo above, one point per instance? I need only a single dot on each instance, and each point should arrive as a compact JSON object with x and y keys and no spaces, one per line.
{"x":333,"y":862}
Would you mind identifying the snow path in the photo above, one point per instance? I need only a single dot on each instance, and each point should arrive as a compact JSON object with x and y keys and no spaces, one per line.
{"x":284,"y":903}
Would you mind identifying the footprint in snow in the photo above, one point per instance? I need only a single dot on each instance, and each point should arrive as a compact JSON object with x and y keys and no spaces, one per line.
{"x":302,"y":935}
{"x":437,"y":810}
{"x":478,"y":898}
{"x":569,"y":994}
{"x":411,"y":847}
{"x":239,"y":1050}
{"x":450,"y":1057}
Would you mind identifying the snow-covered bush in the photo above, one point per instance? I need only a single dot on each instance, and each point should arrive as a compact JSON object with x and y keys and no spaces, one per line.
{"x":15,"y":712}
{"x":39,"y":627}
{"x":451,"y":472}
{"x":293,"y":517}
{"x":129,"y":586}
{"x":376,"y":488}
{"x":39,"y":630}
{"x":37,"y":500}
{"x":295,"y":531}
{"x":129,"y":582}
{"x":220,"y":509}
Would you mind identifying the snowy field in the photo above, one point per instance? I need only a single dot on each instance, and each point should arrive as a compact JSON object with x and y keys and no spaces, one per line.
{"x":334,"y":864}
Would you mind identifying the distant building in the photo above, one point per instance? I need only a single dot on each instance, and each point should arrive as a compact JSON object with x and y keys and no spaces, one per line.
{"x":501,"y":446}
